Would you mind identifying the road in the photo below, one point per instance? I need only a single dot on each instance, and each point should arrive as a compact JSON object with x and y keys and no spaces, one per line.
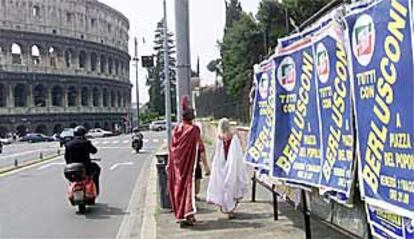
{"x":33,"y":202}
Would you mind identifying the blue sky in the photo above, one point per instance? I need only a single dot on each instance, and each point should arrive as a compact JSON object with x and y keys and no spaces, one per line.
{"x":206,"y":27}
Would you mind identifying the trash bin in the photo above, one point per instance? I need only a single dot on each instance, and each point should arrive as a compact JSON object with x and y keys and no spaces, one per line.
{"x":162,"y":181}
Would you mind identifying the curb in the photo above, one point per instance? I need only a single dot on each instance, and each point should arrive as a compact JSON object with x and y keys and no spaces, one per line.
{"x":149,"y":228}
{"x":11,"y":169}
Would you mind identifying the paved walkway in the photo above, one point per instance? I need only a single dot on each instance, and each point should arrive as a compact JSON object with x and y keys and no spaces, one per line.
{"x":253,"y":220}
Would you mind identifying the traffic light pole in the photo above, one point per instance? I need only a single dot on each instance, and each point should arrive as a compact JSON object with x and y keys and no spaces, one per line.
{"x":136,"y":59}
{"x":167,"y":78}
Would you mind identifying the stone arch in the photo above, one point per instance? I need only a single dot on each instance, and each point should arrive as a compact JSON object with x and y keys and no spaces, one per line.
{"x":113,"y":99}
{"x":68,"y":58}
{"x":96,"y":97}
{"x":105,"y":97}
{"x":16,"y":51}
{"x":82,"y":60}
{"x":20,"y":95}
{"x":107,"y":126}
{"x":53,"y":56}
{"x":40,"y":95}
{"x":21,"y":130}
{"x":57,"y":96}
{"x":94,"y":61}
{"x":57,"y":129}
{"x":3,"y":132}
{"x":119,"y":96}
{"x":116,"y":67}
{"x":35,"y":54}
{"x":36,"y":11}
{"x":87,"y":126}
{"x":110,"y":65}
{"x":103,"y":64}
{"x":85,"y":96}
{"x":3,"y":96}
{"x":41,"y":129}
{"x":72,"y":96}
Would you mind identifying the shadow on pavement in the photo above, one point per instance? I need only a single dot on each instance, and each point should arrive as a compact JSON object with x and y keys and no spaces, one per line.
{"x":103,"y":211}
{"x":223,"y":224}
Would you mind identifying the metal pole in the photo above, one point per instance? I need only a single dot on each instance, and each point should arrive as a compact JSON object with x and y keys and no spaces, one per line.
{"x":136,"y":59}
{"x":306,"y":213}
{"x":167,"y":78}
{"x":182,"y":29}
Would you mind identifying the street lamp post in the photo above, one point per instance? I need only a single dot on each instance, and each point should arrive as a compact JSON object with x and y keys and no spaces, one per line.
{"x":167,"y":78}
{"x":136,"y":59}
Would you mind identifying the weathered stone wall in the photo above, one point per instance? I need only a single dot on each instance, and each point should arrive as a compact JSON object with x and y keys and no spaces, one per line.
{"x":62,"y":59}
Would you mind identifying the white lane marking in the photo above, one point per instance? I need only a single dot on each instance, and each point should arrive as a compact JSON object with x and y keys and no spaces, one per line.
{"x":133,"y":151}
{"x":165,"y":140}
{"x":114,"y":147}
{"x":115,"y":142}
{"x":96,"y":142}
{"x":125,"y":141}
{"x":26,"y":153}
{"x":120,"y":164}
{"x":105,"y":142}
{"x":50,"y":165}
{"x":146,"y":140}
{"x":155,"y":140}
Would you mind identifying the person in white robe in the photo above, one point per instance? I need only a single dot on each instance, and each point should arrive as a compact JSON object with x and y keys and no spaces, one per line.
{"x":228,"y":179}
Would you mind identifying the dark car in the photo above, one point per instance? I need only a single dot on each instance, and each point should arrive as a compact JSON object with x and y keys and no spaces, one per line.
{"x":34,"y":138}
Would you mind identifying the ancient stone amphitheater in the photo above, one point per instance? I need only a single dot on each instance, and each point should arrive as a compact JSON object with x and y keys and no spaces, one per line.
{"x":62,"y":63}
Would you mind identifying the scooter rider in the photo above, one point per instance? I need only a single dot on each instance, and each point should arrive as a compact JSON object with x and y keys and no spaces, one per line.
{"x":79,"y":149}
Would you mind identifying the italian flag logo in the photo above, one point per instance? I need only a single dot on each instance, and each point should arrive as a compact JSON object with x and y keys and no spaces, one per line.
{"x":288,"y":74}
{"x":322,"y":63}
{"x":364,"y":40}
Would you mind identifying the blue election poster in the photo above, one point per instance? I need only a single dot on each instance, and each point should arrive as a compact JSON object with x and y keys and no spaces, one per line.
{"x":381,"y":40}
{"x":297,"y":147}
{"x":260,"y":136}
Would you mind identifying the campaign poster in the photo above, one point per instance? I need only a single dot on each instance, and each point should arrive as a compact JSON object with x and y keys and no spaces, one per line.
{"x":382,"y":56}
{"x":335,"y":105}
{"x":297,"y":146}
{"x":260,"y":136}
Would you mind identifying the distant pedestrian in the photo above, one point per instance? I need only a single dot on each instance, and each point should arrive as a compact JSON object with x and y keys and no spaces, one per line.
{"x":186,"y":143}
{"x":228,"y":180}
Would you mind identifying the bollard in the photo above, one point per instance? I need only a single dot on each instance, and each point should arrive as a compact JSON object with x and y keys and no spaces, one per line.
{"x":41,"y":155}
{"x":162,"y":159}
{"x":16,"y":163}
{"x":58,"y":152}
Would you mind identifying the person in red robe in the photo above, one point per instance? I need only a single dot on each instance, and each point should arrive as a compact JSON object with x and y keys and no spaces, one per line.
{"x":185,"y":145}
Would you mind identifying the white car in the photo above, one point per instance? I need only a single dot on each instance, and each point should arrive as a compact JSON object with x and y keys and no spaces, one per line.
{"x":160,"y":125}
{"x":6,"y":140}
{"x":98,"y":133}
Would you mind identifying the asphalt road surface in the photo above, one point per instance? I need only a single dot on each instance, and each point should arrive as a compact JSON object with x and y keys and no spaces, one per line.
{"x":33,"y":202}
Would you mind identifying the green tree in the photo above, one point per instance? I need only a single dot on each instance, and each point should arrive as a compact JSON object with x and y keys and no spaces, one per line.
{"x":301,"y":10}
{"x":241,"y":49}
{"x":233,"y":12}
{"x":156,"y":75}
{"x":271,"y":17}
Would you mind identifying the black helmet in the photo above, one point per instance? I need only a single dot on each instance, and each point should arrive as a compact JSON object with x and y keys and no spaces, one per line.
{"x":80,"y":131}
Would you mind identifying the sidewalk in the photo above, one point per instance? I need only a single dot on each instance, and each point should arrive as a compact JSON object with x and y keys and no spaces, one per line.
{"x":253,"y":220}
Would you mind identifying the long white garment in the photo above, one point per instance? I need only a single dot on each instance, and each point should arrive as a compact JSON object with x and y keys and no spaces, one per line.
{"x":228,"y":180}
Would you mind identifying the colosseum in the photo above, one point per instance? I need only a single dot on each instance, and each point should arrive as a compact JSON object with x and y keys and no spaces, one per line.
{"x":62,"y":63}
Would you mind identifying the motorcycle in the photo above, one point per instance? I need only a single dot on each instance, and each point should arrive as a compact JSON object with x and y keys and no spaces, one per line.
{"x":82,"y":189}
{"x":137,"y":142}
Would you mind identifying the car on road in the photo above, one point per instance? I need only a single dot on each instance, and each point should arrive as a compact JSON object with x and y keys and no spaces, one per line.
{"x":35,"y":137}
{"x":66,"y":135}
{"x":98,"y":133}
{"x":160,"y":125}
{"x":6,"y":141}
